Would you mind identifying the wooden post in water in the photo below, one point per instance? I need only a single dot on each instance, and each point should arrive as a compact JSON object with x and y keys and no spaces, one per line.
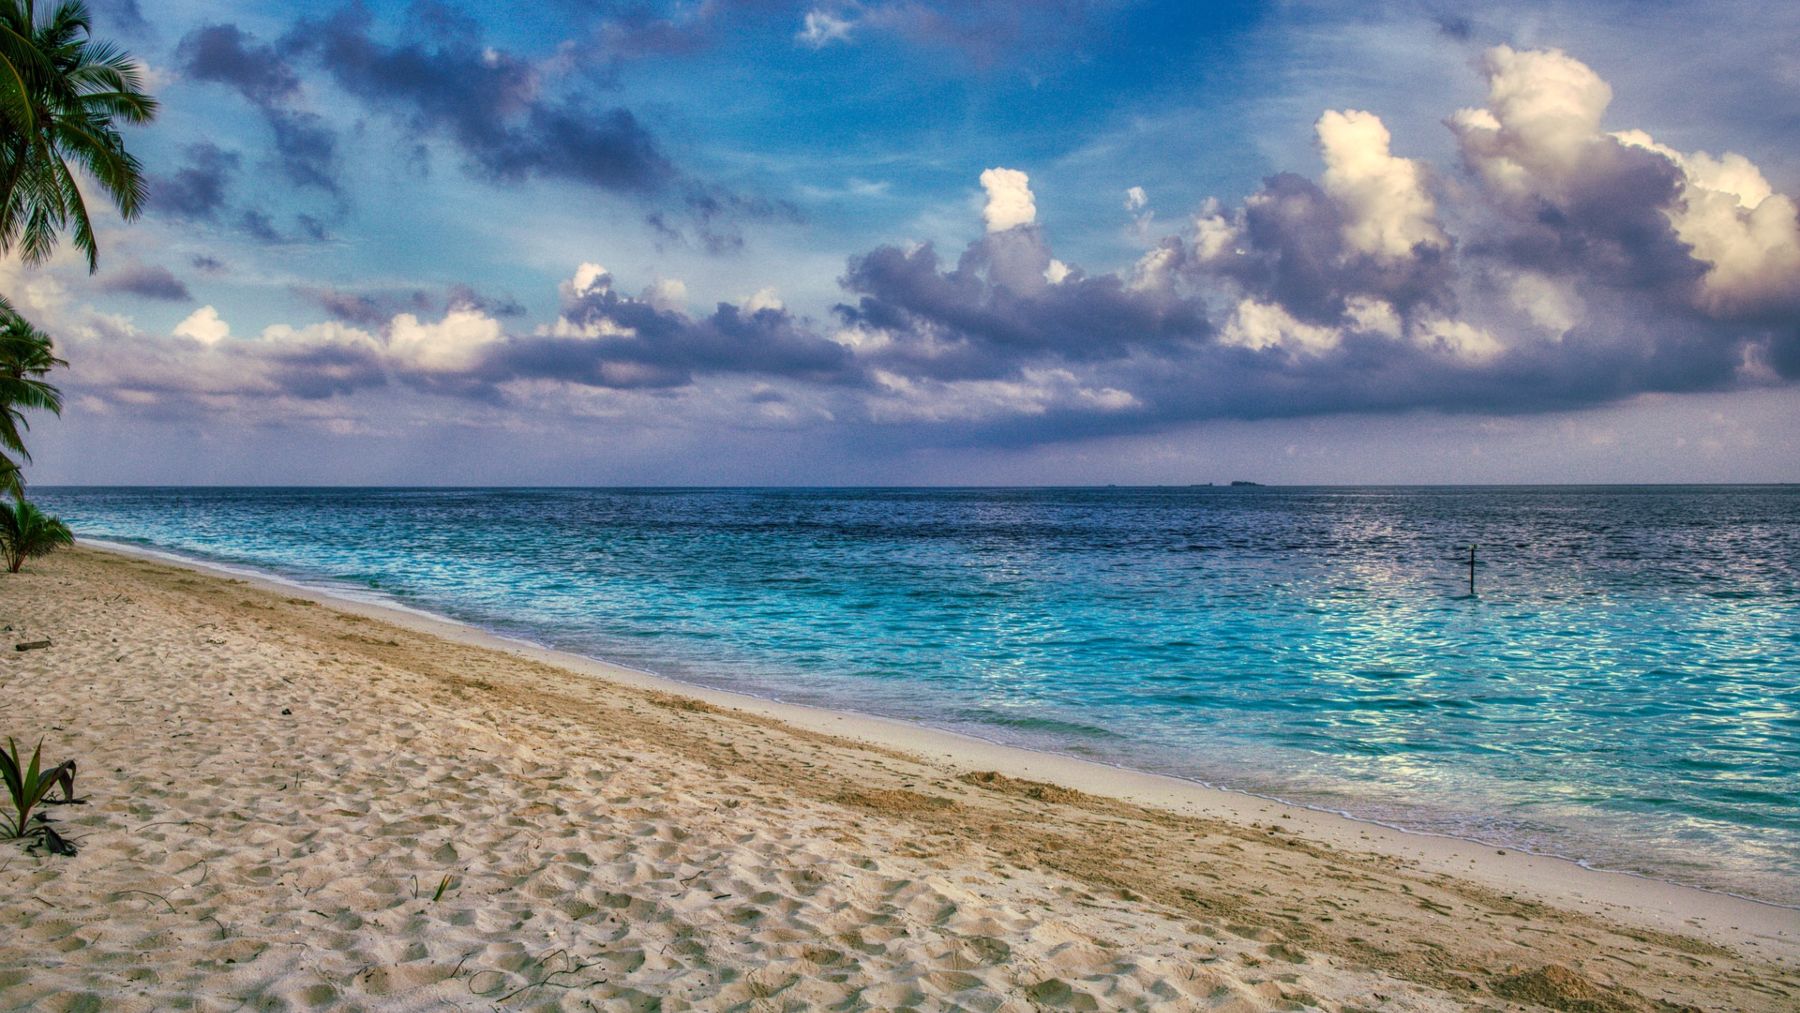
{"x":1471,"y":571}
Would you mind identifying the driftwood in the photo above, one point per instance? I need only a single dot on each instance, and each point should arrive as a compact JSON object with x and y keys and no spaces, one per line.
{"x":31,"y":645}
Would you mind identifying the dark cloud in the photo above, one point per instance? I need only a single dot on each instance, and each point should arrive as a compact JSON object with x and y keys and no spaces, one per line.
{"x":264,"y":75}
{"x":1610,"y":225}
{"x":1292,"y":251}
{"x":147,"y":280}
{"x":228,"y":55}
{"x":360,"y":308}
{"x":995,"y":309}
{"x":307,"y":147}
{"x":1455,"y":26}
{"x":315,"y":371}
{"x":312,"y":228}
{"x":490,"y":103}
{"x":211,"y":265}
{"x":260,"y":227}
{"x":463,"y":296}
{"x":198,"y":189}
{"x":374,"y":310}
{"x":635,"y":344}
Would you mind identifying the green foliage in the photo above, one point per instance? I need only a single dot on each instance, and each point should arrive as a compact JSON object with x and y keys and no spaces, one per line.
{"x":61,"y":92}
{"x":27,"y":532}
{"x":26,"y":357}
{"x":28,"y":786}
{"x":443,"y":887}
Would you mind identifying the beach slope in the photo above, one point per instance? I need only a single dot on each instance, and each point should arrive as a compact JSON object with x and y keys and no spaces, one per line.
{"x":295,"y":804}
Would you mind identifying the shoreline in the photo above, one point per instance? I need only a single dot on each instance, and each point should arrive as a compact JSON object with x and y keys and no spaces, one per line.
{"x":302,"y":802}
{"x":1722,"y":917}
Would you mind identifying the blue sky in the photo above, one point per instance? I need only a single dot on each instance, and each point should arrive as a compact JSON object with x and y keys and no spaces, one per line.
{"x":893,"y":242}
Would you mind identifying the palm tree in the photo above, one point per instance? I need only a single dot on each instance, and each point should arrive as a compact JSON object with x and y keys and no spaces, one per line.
{"x":25,"y":357}
{"x":60,"y":93}
{"x":26,"y":531}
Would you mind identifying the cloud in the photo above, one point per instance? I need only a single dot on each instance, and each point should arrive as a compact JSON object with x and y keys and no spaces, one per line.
{"x":147,"y":280}
{"x":995,"y":311}
{"x":195,"y":191}
{"x":1585,"y":267}
{"x":228,"y":55}
{"x":983,"y":34}
{"x":494,"y":106}
{"x":1556,"y":263}
{"x":260,"y":227}
{"x":1388,"y":212}
{"x":821,"y":28}
{"x":204,"y":326}
{"x":361,"y":308}
{"x":1009,"y":200}
{"x":262,"y":74}
{"x":1734,"y":222}
{"x":458,"y":343}
{"x":603,"y":338}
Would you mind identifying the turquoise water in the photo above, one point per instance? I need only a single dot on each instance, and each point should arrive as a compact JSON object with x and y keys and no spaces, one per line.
{"x":1625,"y":689}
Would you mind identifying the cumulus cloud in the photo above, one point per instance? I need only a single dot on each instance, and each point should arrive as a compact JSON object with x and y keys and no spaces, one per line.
{"x":1562,"y":264}
{"x":204,"y":326}
{"x":1590,"y":266}
{"x":1010,"y":203}
{"x":1747,"y":234}
{"x":1388,"y":212}
{"x":456,"y":344}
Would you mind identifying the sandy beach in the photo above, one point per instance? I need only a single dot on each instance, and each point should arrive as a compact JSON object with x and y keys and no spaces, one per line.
{"x":304,"y":803}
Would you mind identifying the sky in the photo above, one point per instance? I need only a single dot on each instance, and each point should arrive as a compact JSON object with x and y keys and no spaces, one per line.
{"x":893,"y":242}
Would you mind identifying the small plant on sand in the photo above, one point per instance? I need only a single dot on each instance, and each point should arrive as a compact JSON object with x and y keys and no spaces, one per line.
{"x":28,"y":785}
{"x":26,"y":531}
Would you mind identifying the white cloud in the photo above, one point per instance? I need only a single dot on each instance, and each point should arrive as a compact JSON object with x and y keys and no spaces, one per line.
{"x":1735,"y":222}
{"x":821,"y":28}
{"x":1009,"y":200}
{"x":453,"y":344}
{"x":1387,"y":209}
{"x":1037,"y":391}
{"x":203,"y":325}
{"x":1057,"y":272}
{"x":1368,"y":315}
{"x":588,"y":278}
{"x":1543,"y":115}
{"x":1541,"y":132}
{"x":763,"y":299}
{"x":1260,"y":325}
{"x":668,"y":294}
{"x":1548,"y":303}
{"x":1456,"y":337}
{"x":1155,"y":270}
{"x":1214,"y":234}
{"x":1136,"y":199}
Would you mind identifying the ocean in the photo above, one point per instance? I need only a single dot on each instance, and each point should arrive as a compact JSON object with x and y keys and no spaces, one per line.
{"x":1622,"y":689}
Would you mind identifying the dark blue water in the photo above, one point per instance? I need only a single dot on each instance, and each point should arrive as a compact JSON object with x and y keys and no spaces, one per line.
{"x":1625,"y":689}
